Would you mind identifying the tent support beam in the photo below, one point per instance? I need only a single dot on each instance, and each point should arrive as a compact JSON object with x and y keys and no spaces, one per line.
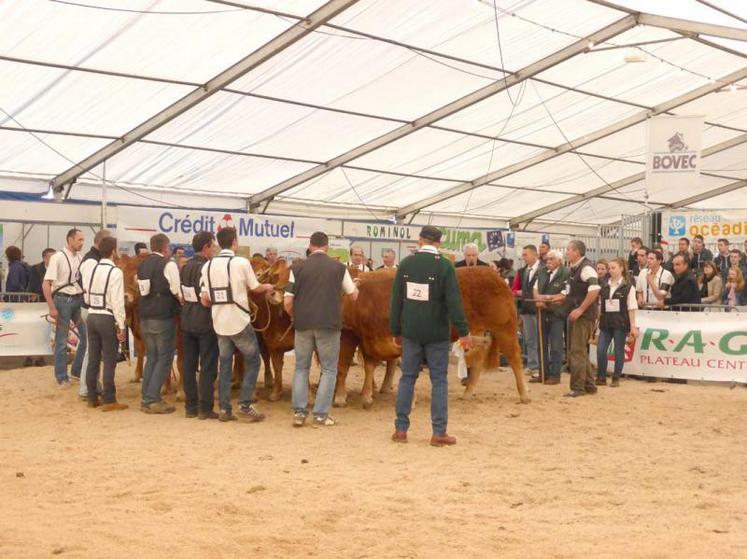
{"x":497,"y":86}
{"x":284,"y":40}
{"x":712,"y":150}
{"x":709,"y":194}
{"x":574,"y":144}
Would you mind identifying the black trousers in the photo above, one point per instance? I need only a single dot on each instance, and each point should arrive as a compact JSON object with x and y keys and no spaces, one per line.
{"x":102,"y":341}
{"x":200,"y":349}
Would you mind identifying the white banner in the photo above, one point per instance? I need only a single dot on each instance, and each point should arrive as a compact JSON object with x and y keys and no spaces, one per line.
{"x":673,"y":152}
{"x":255,"y":231}
{"x":707,"y":345}
{"x":24,"y":330}
{"x":712,"y":224}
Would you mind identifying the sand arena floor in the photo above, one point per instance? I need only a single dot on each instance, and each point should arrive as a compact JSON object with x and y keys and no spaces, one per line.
{"x":643,"y":471}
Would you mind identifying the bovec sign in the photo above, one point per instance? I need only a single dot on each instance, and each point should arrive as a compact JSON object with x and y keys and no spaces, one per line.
{"x":673,"y":152}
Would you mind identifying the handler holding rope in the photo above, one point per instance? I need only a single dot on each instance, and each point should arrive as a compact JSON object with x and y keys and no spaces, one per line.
{"x":225,"y":282}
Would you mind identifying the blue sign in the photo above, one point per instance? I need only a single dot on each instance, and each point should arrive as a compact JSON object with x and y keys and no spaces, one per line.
{"x":677,"y":226}
{"x":510,"y":240}
{"x":546,"y":238}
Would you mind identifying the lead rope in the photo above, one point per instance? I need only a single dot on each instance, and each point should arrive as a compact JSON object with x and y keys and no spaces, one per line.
{"x":255,"y":308}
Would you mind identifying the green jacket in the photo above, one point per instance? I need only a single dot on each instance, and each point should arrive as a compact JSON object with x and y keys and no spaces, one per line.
{"x":425,"y":299}
{"x":554,"y":287}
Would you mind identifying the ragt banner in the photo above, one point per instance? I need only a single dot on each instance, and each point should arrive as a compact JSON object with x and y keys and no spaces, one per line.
{"x":673,"y":152}
{"x":255,"y":231}
{"x":24,"y":330}
{"x":688,"y":345}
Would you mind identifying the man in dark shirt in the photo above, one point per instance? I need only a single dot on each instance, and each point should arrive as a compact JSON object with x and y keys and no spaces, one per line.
{"x":470,"y":257}
{"x":685,"y":289}
{"x":141,"y":248}
{"x":38,"y":272}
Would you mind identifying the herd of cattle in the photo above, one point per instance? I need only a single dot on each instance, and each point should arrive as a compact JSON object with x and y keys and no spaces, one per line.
{"x":488,"y":304}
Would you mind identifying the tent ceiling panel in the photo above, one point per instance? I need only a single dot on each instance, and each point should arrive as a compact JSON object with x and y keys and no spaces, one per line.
{"x":467,"y":28}
{"x":52,"y":99}
{"x":651,"y":82}
{"x":723,"y":107}
{"x":595,"y":210}
{"x":674,"y":191}
{"x":575,"y":113}
{"x":367,"y":188}
{"x":568,"y":173}
{"x":732,"y":200}
{"x":496,"y":201}
{"x":443,"y":154}
{"x":691,"y":9}
{"x":20,"y":152}
{"x":198,"y":170}
{"x":239,"y":123}
{"x":731,"y":163}
{"x":192,"y":46}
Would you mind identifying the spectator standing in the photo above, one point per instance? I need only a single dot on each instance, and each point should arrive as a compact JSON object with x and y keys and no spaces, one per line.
{"x":313,"y":301}
{"x":198,"y":335}
{"x":389,"y":257}
{"x":722,"y":258}
{"x":635,"y":244}
{"x":654,"y":283}
{"x":549,"y":288}
{"x":735,"y":261}
{"x":425,"y":301}
{"x":141,"y":248}
{"x":38,"y":271}
{"x":104,"y":297}
{"x":641,"y":262}
{"x":617,"y":320}
{"x":544,"y":249}
{"x":226,"y":281}
{"x":470,"y":251}
{"x":271,"y":255}
{"x":64,"y":296}
{"x":19,"y":273}
{"x":158,"y":282}
{"x":734,"y":293}
{"x":358,"y":259}
{"x":700,"y":255}
{"x":710,"y":283}
{"x":683,"y":250}
{"x":524,"y":283}
{"x":603,"y":271}
{"x":685,"y":289}
{"x":582,"y":294}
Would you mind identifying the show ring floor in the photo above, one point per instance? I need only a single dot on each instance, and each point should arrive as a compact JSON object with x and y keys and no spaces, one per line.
{"x":642,"y":471}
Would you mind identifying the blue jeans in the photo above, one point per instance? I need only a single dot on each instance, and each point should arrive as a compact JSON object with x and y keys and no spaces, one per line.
{"x":159,"y":336}
{"x":529,"y":333}
{"x":246,"y":342}
{"x":327,"y":344}
{"x":68,"y":309}
{"x":553,"y":341}
{"x":605,"y":337}
{"x":436,"y":355}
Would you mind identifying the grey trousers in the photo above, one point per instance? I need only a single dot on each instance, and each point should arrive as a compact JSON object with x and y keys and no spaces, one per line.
{"x":102,"y":341}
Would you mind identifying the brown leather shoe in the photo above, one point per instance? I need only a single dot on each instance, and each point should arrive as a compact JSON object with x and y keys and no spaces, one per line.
{"x":94,"y":403}
{"x":399,"y":437}
{"x":114,"y":406}
{"x":552,"y":381}
{"x":535,"y":378}
{"x":601,"y":382}
{"x":443,"y":440}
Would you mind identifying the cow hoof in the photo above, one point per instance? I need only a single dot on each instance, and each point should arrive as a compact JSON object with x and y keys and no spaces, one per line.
{"x":525,"y":400}
{"x":275,"y":396}
{"x":367,"y":403}
{"x":340,"y":402}
{"x":135,"y":381}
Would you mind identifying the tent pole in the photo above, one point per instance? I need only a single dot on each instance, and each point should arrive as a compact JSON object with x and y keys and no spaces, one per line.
{"x":104,"y":220}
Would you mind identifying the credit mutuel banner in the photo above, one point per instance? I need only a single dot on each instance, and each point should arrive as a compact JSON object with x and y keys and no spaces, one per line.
{"x":688,"y":345}
{"x":673,"y":152}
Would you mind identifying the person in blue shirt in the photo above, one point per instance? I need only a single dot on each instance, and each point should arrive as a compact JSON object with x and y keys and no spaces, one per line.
{"x":18,"y":271}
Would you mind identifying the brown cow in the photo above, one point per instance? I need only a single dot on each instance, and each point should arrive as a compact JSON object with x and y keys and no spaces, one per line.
{"x":491,"y":315}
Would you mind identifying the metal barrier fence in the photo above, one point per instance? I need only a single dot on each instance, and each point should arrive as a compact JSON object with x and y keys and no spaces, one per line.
{"x":694,"y":307}
{"x":20,"y":298}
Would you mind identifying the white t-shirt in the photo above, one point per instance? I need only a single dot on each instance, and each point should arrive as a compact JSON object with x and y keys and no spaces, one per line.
{"x":632,"y":301}
{"x":230,"y":319}
{"x":664,"y":281}
{"x":114,"y":291}
{"x":64,"y":267}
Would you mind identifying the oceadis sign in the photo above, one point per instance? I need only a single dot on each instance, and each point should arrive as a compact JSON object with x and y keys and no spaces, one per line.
{"x":689,"y":345}
{"x":712,"y":224}
{"x":139,"y":224}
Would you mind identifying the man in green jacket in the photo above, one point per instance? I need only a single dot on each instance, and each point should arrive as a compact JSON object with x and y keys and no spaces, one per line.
{"x":425,"y":301}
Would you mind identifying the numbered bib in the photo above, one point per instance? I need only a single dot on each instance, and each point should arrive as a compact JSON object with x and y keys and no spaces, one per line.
{"x":189,"y":294}
{"x":96,"y":301}
{"x":612,"y":305}
{"x":417,"y":291}
{"x":143,"y":286}
{"x":220,"y":295}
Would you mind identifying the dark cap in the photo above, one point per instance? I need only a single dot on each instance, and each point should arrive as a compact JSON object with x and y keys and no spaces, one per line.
{"x":430,"y":233}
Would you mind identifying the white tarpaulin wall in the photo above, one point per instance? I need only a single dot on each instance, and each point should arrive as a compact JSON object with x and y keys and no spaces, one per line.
{"x":79,"y":74}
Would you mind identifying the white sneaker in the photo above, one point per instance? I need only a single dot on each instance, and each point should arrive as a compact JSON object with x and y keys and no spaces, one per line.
{"x":327,"y":421}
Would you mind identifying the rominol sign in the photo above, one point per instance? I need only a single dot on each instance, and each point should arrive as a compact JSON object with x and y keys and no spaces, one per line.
{"x":139,"y":224}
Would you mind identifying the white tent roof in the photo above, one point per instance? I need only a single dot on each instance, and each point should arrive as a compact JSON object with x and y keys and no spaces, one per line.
{"x":373,"y":103}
